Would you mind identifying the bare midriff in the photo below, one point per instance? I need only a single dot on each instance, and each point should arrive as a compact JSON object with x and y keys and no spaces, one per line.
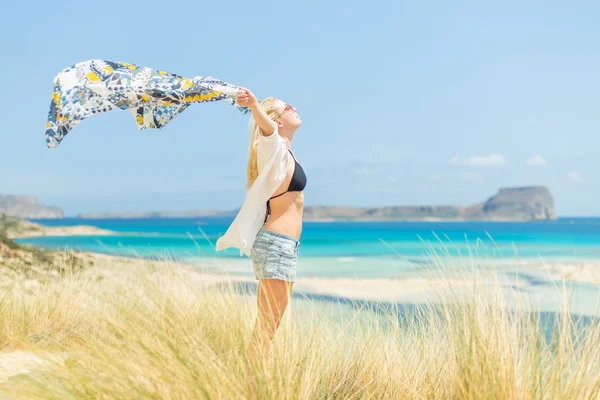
{"x":287,"y":209}
{"x":286,"y":214}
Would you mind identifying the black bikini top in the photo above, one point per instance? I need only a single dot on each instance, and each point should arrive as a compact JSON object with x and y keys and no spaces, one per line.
{"x":297,"y":184}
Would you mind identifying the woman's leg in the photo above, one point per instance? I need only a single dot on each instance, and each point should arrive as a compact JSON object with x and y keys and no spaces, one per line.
{"x":272,"y":300}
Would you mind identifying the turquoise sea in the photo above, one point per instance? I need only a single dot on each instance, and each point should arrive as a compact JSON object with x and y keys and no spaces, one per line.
{"x":372,"y":250}
{"x":364,"y":249}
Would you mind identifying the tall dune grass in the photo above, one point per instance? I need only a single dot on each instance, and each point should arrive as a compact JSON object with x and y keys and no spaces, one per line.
{"x":157,"y":332}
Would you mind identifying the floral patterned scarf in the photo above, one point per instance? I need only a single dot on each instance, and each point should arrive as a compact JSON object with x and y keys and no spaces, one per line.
{"x":154,"y":97}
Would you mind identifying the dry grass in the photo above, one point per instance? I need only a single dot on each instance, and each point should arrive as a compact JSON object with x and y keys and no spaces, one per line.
{"x":154,"y":332}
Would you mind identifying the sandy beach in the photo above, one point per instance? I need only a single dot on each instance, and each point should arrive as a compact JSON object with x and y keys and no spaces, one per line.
{"x":79,"y":230}
{"x":418,"y":288}
{"x":576,"y":272}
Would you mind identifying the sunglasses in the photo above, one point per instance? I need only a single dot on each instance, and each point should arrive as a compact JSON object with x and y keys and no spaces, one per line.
{"x":288,"y":108}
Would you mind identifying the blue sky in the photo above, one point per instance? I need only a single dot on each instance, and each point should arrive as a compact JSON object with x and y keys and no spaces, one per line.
{"x":403,"y":102}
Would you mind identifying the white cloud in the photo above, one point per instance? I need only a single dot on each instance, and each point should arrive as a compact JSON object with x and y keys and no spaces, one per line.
{"x":491,"y":160}
{"x":472,"y":177}
{"x":537,"y":161}
{"x":575,"y":176}
{"x":578,"y":177}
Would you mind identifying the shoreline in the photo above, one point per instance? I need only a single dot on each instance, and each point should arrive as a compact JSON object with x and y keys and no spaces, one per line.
{"x":539,"y":282}
{"x":371,"y":287}
{"x":79,"y":230}
{"x":583,"y":271}
{"x":543,"y":295}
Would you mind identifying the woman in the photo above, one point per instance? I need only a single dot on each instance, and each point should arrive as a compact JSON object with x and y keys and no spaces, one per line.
{"x":269,"y":224}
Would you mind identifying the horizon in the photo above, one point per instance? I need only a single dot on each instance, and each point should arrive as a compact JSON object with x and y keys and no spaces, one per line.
{"x":427,"y":103}
{"x":235,"y":210}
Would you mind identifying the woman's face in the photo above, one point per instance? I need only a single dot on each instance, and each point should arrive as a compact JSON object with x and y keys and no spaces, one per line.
{"x":289,"y":117}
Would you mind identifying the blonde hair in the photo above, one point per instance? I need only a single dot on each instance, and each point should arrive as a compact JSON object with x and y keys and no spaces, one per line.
{"x":252,"y":170}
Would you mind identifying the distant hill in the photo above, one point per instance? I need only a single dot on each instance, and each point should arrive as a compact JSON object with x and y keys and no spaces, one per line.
{"x":510,"y":204}
{"x":28,"y":207}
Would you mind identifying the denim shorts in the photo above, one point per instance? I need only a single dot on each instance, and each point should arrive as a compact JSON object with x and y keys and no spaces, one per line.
{"x":274,"y":255}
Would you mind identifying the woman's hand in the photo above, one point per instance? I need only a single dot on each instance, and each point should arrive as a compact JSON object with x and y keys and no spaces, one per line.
{"x":265,"y":123}
{"x":247,"y":99}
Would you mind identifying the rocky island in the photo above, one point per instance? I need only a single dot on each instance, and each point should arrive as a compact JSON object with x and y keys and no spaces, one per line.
{"x":509,"y":204}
